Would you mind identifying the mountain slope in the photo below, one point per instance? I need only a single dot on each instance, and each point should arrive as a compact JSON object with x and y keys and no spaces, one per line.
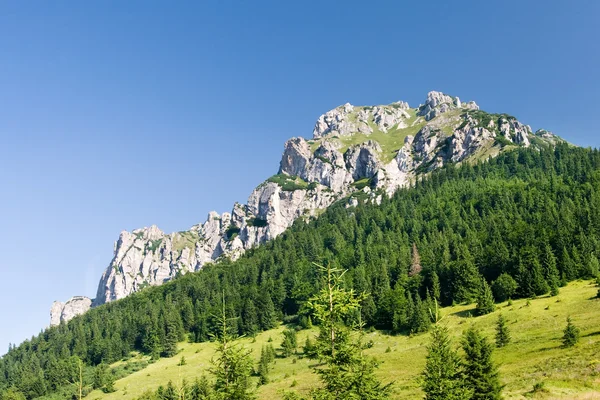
{"x":531,"y":216}
{"x":536,"y":331}
{"x":355,"y":151}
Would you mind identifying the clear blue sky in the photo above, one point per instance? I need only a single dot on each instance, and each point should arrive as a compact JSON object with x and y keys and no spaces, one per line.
{"x":121,"y":114}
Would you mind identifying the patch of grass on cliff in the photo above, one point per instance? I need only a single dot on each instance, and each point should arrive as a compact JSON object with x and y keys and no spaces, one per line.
{"x":289,"y":183}
{"x":390,"y":141}
{"x":185,"y":239}
{"x":534,"y":356}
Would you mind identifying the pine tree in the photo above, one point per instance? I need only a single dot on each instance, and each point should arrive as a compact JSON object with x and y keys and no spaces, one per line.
{"x":232,"y":366}
{"x":264,"y":366}
{"x":485,"y":299}
{"x":502,"y":332}
{"x":348,"y":373}
{"x":443,"y":377}
{"x":504,"y":287}
{"x":571,"y":334}
{"x":550,"y":269}
{"x":435,"y":286}
{"x":290,"y":342}
{"x":593,"y":266}
{"x":420,"y":320}
{"x":200,"y":389}
{"x":266,"y":311}
{"x":481,"y":373}
{"x":109,"y":383}
{"x":171,"y":337}
{"x":465,"y":277}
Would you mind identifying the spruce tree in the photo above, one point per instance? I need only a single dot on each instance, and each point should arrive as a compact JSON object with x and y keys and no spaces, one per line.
{"x":264,"y":366}
{"x":420,"y":320}
{"x":443,"y":377}
{"x":502,"y":332}
{"x":171,"y":337}
{"x":200,"y":389}
{"x":485,"y":299}
{"x":550,"y":269}
{"x":290,"y":342}
{"x":232,"y":366}
{"x":347,"y":373}
{"x":570,"y":334}
{"x":481,"y":373}
{"x":436,"y":290}
{"x":593,"y":267}
{"x":504,"y":287}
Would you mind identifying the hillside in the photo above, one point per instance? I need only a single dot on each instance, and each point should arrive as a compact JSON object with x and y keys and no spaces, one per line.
{"x":534,"y":356}
{"x":355,"y":151}
{"x":530,"y":217}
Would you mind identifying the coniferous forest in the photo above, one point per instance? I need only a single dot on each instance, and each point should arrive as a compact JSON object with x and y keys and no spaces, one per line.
{"x":519,"y":225}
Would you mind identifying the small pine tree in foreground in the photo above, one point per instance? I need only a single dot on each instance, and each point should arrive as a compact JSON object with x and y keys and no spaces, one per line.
{"x":347,"y":373}
{"x":232,"y":367}
{"x":502,"y":332}
{"x":481,"y":373}
{"x":571,"y":334}
{"x":443,"y":377}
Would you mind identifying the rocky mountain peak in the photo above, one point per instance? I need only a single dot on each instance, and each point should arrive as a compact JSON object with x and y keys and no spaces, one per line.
{"x":356,"y":154}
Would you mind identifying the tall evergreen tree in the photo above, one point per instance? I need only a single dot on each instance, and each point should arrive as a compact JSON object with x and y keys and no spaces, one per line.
{"x":443,"y":377}
{"x":171,"y":337}
{"x":482,"y":375}
{"x":348,"y":373}
{"x":232,"y":366}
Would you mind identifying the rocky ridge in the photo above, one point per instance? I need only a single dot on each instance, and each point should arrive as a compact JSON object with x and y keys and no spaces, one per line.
{"x":357,"y":153}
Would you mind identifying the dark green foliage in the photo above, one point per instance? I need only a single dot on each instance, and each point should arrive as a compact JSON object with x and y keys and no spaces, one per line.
{"x":420,"y":320}
{"x":200,"y":389}
{"x":504,"y":287}
{"x":509,"y":215}
{"x":347,"y":373}
{"x":171,"y":338}
{"x":570,"y":334}
{"x":593,"y":266}
{"x":232,"y":366}
{"x":485,"y":299}
{"x":502,"y":332}
{"x":443,"y":377}
{"x":481,"y":373}
{"x":290,"y":342}
{"x":267,"y":356}
{"x":232,"y":232}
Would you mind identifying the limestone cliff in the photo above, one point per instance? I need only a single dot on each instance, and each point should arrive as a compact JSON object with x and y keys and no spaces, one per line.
{"x":355,"y":153}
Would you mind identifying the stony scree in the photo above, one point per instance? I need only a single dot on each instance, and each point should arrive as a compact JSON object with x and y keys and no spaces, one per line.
{"x":356,"y":153}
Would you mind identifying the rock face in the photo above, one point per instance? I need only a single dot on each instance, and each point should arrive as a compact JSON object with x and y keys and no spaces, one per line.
{"x":356,"y":153}
{"x":63,"y":312}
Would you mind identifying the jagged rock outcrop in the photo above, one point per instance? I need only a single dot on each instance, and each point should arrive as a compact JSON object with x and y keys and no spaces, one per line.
{"x":63,"y":312}
{"x":358,"y":153}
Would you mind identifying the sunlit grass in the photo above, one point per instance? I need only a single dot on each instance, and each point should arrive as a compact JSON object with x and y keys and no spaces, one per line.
{"x":534,"y":354}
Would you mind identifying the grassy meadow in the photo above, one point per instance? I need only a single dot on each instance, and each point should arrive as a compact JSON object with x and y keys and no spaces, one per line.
{"x":534,"y":358}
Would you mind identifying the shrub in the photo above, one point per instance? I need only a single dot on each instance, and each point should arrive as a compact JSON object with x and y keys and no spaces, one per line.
{"x":504,"y":287}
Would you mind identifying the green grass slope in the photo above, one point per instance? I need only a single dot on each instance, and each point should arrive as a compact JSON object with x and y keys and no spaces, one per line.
{"x":534,"y":356}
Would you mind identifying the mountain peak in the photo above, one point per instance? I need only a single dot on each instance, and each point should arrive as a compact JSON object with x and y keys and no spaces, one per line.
{"x":355,"y":153}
